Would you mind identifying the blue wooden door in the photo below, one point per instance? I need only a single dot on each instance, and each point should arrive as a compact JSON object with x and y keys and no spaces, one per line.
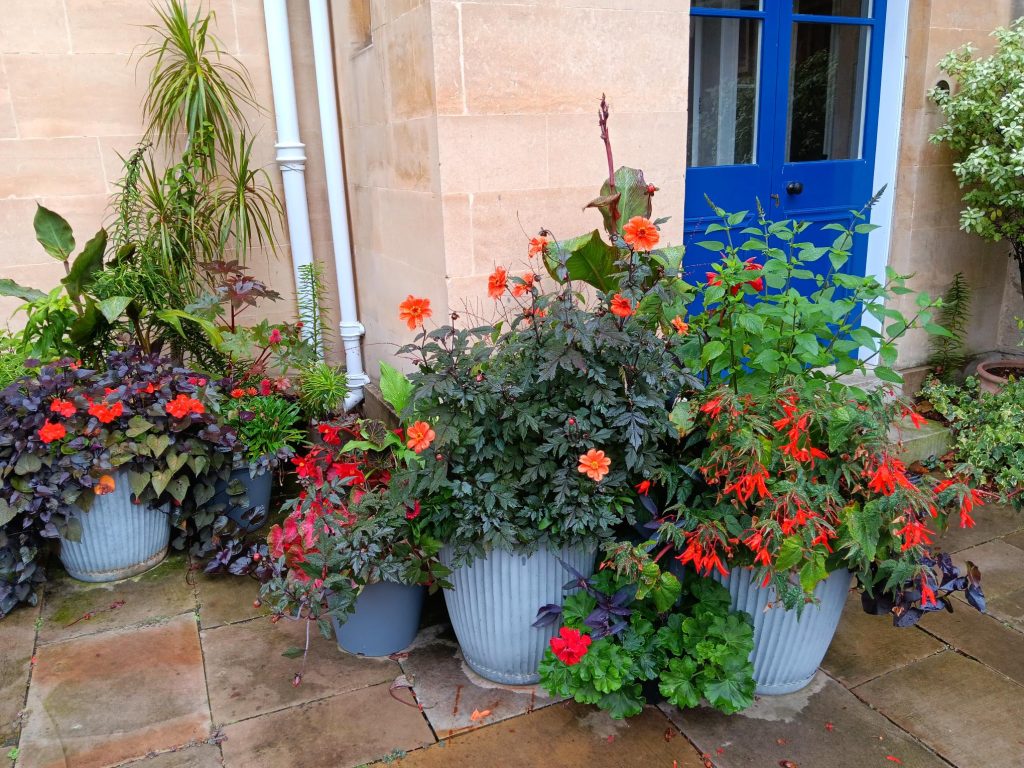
{"x":784,"y":110}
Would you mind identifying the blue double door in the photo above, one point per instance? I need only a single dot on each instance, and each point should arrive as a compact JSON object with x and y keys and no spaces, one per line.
{"x":783,"y":109}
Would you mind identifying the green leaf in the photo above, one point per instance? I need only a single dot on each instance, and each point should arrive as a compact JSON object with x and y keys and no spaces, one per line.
{"x":294,"y":652}
{"x":667,"y":592}
{"x":395,"y":386}
{"x":627,"y":701}
{"x":86,"y":265}
{"x":631,"y":197}
{"x":114,"y":307}
{"x":887,"y":374}
{"x":28,"y":463}
{"x":53,"y":233}
{"x":676,"y":683}
{"x":82,"y":330}
{"x":864,"y":526}
{"x":157,"y":444}
{"x":682,"y":417}
{"x":588,"y":259}
{"x":10,"y":288}
{"x":7,"y":513}
{"x":138,"y":481}
{"x":711,"y":351}
{"x":790,"y":553}
{"x":173,"y":317}
{"x":812,"y":572}
{"x":138,"y":425}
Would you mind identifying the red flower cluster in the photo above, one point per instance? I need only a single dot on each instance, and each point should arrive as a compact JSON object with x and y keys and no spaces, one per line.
{"x":749,"y":265}
{"x":702,"y":551}
{"x":51,"y":431}
{"x":889,"y":475}
{"x":797,"y":431}
{"x":914,"y":534}
{"x":329,"y":434}
{"x":63,"y":407}
{"x":748,"y":483}
{"x":105,"y":413}
{"x":183,"y":405}
{"x":970,"y":499}
{"x":570,"y":646}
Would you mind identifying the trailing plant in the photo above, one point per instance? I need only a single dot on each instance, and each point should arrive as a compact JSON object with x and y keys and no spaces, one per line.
{"x":624,"y":630}
{"x":984,"y":114}
{"x":949,"y":354}
{"x":988,"y":433}
{"x":69,"y":434}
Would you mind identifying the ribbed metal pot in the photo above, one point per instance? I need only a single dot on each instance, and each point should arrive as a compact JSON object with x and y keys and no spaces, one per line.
{"x":253,"y":515}
{"x":385,"y":620}
{"x":787,"y":648}
{"x":494,"y":604}
{"x":119,"y":538}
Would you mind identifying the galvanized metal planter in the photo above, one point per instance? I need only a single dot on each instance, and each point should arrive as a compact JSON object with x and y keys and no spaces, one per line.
{"x":494,"y":603}
{"x":787,"y":648}
{"x":252,"y":515}
{"x":385,"y":620}
{"x":119,"y":538}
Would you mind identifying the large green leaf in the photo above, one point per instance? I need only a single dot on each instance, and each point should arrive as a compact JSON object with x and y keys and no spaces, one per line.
{"x":588,"y":259}
{"x":864,"y":524}
{"x":83,"y":329}
{"x":86,"y":265}
{"x":395,"y":387}
{"x":53,"y":233}
{"x":114,"y":307}
{"x":630,"y":198}
{"x":10,"y":288}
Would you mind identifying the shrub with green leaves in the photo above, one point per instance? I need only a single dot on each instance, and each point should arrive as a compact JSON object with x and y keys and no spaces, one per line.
{"x":988,"y":432}
{"x":622,"y":630}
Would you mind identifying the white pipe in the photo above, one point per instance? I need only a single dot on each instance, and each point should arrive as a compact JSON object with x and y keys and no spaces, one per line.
{"x":291,"y":155}
{"x":350,"y":327}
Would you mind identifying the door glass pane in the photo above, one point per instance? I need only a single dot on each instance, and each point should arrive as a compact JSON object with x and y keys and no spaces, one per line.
{"x":724,"y":63}
{"x":827,"y":78}
{"x":857,"y":8}
{"x":732,"y":5}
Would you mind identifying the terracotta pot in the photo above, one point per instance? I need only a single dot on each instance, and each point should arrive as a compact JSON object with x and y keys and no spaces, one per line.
{"x":991,"y":383}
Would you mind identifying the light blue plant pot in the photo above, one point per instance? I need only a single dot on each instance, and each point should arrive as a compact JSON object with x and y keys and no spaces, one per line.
{"x":494,"y":603}
{"x":119,"y":538}
{"x":787,"y":648}
{"x":385,"y":620}
{"x":252,"y":515}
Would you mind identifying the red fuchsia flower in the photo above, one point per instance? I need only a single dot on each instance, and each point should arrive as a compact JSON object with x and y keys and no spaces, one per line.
{"x":968,"y":501}
{"x":419,"y":436}
{"x":594,"y":464}
{"x":640,"y":234}
{"x":329,"y":434}
{"x":275,"y":336}
{"x":712,"y":407}
{"x":888,"y":476}
{"x":106,"y":413}
{"x":266,"y":387}
{"x":621,"y":306}
{"x":63,"y":407}
{"x":411,"y":513}
{"x":915,"y":418}
{"x":182,"y":406}
{"x":524,"y":287}
{"x":51,"y":431}
{"x":643,"y":487}
{"x":414,"y":311}
{"x":750,"y":483}
{"x":237,"y":393}
{"x":703,"y":553}
{"x":914,"y":534}
{"x":713,"y":278}
{"x":497,"y":283}
{"x":538,"y":244}
{"x":927,"y":593}
{"x":570,"y":646}
{"x":681,"y":327}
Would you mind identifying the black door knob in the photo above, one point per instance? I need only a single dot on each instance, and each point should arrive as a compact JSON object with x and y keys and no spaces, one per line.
{"x":795,"y":187}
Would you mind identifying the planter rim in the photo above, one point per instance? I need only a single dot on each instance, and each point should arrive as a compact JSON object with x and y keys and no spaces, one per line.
{"x":1010,"y":362}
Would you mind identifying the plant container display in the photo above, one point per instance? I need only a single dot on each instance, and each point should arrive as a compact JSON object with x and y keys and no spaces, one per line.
{"x":993,"y":375}
{"x":494,"y":602}
{"x":788,"y":647}
{"x":119,"y":538}
{"x":385,"y":620}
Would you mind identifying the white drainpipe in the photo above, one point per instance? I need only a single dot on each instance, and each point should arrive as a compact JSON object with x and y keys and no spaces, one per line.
{"x":350,"y":327}
{"x":291,"y":155}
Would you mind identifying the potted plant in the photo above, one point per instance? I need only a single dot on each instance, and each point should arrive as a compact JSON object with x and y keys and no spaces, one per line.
{"x":632,"y":630}
{"x":979,"y":114}
{"x":352,"y":553}
{"x":535,"y":428}
{"x":107,"y":460}
{"x":795,"y":480}
{"x":267,"y":435}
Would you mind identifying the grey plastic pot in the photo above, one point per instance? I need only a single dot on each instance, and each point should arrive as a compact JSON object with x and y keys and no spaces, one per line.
{"x":252,"y":515}
{"x":787,"y":648}
{"x":385,"y":620}
{"x":494,"y":603}
{"x":119,"y":538}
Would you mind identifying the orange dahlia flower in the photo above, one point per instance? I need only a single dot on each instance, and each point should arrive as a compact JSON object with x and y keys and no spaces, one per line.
{"x":641,"y":234}
{"x":497,"y":283}
{"x":419,"y":436}
{"x":594,"y":464}
{"x":414,"y":311}
{"x":621,"y":306}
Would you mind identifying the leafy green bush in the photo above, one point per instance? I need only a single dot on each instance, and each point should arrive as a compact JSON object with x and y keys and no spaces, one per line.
{"x":623,"y":630}
{"x":988,"y":432}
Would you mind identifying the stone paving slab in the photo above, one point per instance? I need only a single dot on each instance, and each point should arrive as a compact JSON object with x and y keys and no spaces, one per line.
{"x":226,"y":599}
{"x":566,"y":735}
{"x":867,"y":646}
{"x":338,"y":732}
{"x":795,"y":728}
{"x":18,"y":632}
{"x":1002,"y":578}
{"x":248,"y":675}
{"x":155,"y":595}
{"x":1016,"y":539}
{"x":983,"y":637}
{"x":451,"y":693}
{"x":969,"y":714}
{"x":103,"y":699}
{"x":200,"y":756}
{"x":992,"y":521}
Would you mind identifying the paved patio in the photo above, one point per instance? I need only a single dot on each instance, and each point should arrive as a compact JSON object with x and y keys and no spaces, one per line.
{"x":179,"y":670}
